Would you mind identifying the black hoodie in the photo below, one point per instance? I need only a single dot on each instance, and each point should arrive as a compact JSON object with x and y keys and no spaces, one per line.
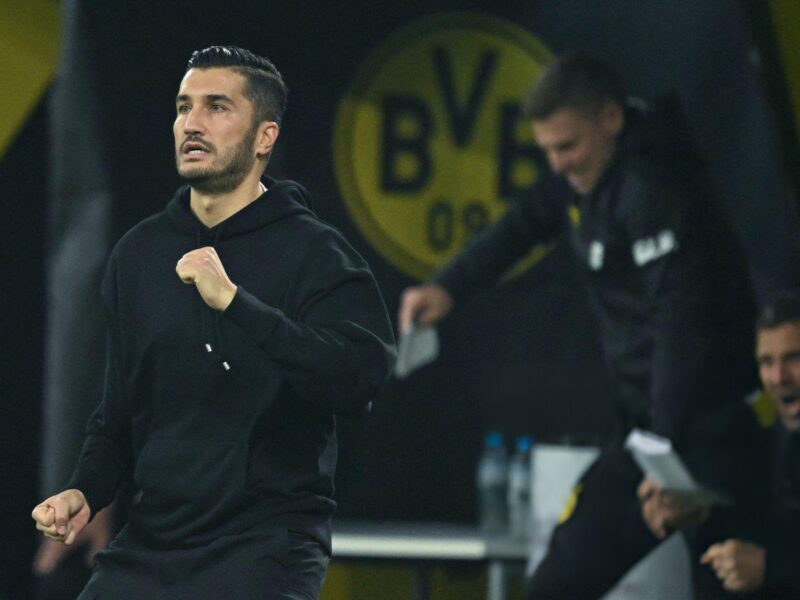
{"x":226,"y":420}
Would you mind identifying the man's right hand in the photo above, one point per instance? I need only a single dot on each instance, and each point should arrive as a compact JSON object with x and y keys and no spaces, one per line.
{"x":664,"y":512}
{"x":63,"y":516}
{"x":739,"y":565}
{"x":95,"y":537}
{"x":424,"y":304}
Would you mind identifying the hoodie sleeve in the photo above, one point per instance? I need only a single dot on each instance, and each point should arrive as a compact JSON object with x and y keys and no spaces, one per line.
{"x":106,"y":457}
{"x":528,"y":221}
{"x":338,"y":350}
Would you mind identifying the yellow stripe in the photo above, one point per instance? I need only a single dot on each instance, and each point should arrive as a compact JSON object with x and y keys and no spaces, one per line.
{"x":762,"y":405}
{"x":785,"y":19}
{"x":574,"y":215}
{"x":571,"y":504}
{"x":29,"y":46}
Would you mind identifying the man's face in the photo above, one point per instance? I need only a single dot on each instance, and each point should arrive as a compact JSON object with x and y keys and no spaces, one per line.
{"x":578,"y":145}
{"x":214,"y":130}
{"x":778,"y":356}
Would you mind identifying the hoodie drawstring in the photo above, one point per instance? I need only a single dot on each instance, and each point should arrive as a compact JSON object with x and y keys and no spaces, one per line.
{"x":216,"y":341}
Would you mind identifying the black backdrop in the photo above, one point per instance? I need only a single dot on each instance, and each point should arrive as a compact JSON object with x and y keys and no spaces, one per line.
{"x":23,"y":179}
{"x":523,"y":357}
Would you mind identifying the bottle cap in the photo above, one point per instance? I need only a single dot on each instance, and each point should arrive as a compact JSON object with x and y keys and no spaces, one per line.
{"x":494,"y":440}
{"x":524,"y":443}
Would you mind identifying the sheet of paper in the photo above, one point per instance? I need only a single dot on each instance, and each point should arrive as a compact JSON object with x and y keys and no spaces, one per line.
{"x":417,"y":347}
{"x":659,"y":461}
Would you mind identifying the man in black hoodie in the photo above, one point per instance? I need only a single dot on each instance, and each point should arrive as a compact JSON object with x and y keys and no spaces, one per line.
{"x":628,"y":190}
{"x":226,"y":370}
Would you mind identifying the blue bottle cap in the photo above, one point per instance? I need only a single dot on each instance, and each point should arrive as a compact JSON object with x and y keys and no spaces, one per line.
{"x":494,"y":440}
{"x":524,"y":443}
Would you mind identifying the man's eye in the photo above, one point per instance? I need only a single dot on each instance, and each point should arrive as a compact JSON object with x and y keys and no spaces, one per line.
{"x":218,"y":107}
{"x":183,"y":108}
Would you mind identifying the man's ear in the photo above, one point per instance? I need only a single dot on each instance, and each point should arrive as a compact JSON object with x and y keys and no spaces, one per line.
{"x":266,"y":136}
{"x":612,"y":117}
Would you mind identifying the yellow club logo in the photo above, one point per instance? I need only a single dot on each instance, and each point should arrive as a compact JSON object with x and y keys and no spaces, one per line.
{"x":430,"y":144}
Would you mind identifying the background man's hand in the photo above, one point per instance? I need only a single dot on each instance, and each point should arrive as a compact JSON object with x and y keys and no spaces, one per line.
{"x":664,"y":512}
{"x":203,"y":268}
{"x":738,"y":564}
{"x":61,"y":517}
{"x":425,"y":304}
{"x":95,"y":537}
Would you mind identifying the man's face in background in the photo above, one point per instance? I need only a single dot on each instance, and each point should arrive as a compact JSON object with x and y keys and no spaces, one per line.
{"x":578,"y":145}
{"x":778,"y":356}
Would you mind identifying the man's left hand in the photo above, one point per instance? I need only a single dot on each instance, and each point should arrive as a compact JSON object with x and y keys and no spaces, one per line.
{"x":738,"y":564}
{"x":203,"y":268}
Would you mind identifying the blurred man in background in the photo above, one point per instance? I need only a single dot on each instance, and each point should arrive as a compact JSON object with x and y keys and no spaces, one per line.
{"x":763,"y":559}
{"x":666,"y":282}
{"x":772,"y":565}
{"x":225,"y":371}
{"x":761,"y":555}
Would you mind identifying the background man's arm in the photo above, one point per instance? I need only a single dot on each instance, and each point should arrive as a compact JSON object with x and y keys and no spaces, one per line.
{"x":491,"y":253}
{"x":527,"y":222}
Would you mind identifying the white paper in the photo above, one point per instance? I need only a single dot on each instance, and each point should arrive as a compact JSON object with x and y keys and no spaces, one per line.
{"x":417,"y":347}
{"x":660,"y":463}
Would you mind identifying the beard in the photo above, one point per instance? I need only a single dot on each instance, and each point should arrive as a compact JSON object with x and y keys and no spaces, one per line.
{"x":235,"y":163}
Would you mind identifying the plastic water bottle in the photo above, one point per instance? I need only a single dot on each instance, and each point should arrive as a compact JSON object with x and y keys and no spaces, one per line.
{"x":492,"y":481}
{"x":519,"y":489}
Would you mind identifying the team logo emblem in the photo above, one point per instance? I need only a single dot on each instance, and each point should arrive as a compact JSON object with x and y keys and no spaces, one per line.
{"x":430,"y":144}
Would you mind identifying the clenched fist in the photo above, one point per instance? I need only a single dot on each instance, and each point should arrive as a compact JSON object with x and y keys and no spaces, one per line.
{"x":739,"y":565}
{"x":61,"y":517}
{"x":203,"y":268}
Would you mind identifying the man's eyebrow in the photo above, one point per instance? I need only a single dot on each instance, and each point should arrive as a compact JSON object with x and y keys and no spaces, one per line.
{"x":208,"y":98}
{"x":218,"y":97}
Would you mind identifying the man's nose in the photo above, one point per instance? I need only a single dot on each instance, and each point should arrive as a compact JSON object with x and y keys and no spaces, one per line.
{"x":193,"y":123}
{"x":784,"y":373}
{"x":776,"y":375}
{"x":558,"y":162}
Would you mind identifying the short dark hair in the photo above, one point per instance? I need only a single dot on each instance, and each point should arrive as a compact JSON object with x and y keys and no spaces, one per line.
{"x":265,"y":86}
{"x":574,"y":81}
{"x":781,"y":310}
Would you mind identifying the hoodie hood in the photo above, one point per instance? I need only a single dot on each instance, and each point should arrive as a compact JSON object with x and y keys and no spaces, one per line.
{"x":281,"y":200}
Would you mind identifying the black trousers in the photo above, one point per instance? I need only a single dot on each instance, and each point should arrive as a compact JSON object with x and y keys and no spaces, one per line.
{"x":277,"y":565}
{"x":605,"y":536}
